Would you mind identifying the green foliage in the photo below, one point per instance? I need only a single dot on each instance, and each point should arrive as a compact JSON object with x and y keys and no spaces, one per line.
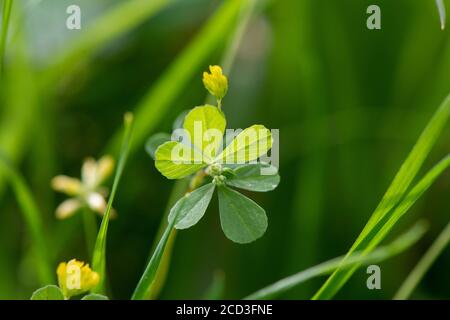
{"x":7,"y":5}
{"x":94,"y":296}
{"x":397,"y":199}
{"x":50,"y":292}
{"x":402,"y":243}
{"x":442,"y":15}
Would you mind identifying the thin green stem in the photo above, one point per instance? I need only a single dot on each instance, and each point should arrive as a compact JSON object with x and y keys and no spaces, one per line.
{"x":7,"y":5}
{"x":99,"y":256}
{"x":416,"y":275}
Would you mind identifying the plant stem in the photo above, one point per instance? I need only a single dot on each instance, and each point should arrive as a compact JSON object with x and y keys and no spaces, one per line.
{"x":7,"y":5}
{"x":424,"y":265}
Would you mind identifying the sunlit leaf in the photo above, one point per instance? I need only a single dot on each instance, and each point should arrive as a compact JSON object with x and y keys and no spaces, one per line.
{"x":154,"y":142}
{"x":176,"y":160}
{"x":249,"y":145}
{"x":191,"y":208}
{"x":242,"y":220}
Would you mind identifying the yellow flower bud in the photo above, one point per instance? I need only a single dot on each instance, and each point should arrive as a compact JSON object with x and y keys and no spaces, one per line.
{"x":75,"y":277}
{"x":215,"y":82}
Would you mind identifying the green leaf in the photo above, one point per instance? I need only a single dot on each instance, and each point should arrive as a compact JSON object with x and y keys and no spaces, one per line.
{"x":249,"y":145}
{"x":402,"y":243}
{"x":154,"y":142}
{"x":191,"y":208}
{"x":94,"y":296}
{"x":99,"y":255}
{"x":395,"y":193}
{"x":176,"y":160}
{"x":206,"y":127}
{"x":250,"y":177}
{"x":50,"y":292}
{"x":242,"y":220}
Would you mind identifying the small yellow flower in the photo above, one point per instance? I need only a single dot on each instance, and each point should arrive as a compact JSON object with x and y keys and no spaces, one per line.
{"x":215,"y":82}
{"x":75,"y":277}
{"x":87,"y":191}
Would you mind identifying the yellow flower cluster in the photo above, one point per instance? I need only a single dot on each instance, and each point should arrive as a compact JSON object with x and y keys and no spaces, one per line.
{"x":75,"y":277}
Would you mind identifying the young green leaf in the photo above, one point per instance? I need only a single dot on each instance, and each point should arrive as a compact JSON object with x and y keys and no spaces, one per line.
{"x":206,"y":127}
{"x":191,"y":208}
{"x":250,"y":177}
{"x":176,"y":160}
{"x":99,"y":255}
{"x":242,"y":220}
{"x":94,"y":296}
{"x":154,"y":142}
{"x":50,"y":292}
{"x":249,"y":145}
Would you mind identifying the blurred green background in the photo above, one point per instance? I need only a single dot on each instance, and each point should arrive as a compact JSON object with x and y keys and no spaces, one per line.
{"x":349,"y":103}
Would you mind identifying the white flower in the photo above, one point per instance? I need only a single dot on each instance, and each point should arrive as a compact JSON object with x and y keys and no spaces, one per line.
{"x":85,"y":193}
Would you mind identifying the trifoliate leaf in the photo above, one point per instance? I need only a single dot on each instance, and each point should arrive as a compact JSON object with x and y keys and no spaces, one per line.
{"x":206,"y":126}
{"x":176,"y":160}
{"x":242,"y":220}
{"x":155,"y":141}
{"x":249,"y":145}
{"x":50,"y":292}
{"x":255,"y":177}
{"x":191,"y":208}
{"x":95,"y":296}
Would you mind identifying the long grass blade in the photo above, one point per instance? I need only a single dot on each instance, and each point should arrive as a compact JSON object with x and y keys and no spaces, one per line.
{"x":33,"y":220}
{"x":7,"y":5}
{"x":442,"y":15}
{"x":424,"y":265}
{"x":99,"y":255}
{"x":399,"y":245}
{"x":163,"y":93}
{"x":395,"y":193}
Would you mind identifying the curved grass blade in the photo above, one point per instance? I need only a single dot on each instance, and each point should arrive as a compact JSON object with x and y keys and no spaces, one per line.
{"x":424,"y":265}
{"x":99,"y":255}
{"x":395,"y":193}
{"x":399,"y":245}
{"x":442,"y":15}
{"x":7,"y":5}
{"x":33,"y":219}
{"x":114,"y":23}
{"x":160,"y":97}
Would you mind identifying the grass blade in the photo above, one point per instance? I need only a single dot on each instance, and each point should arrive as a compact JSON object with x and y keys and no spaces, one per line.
{"x":158,"y":100}
{"x":442,"y":15}
{"x":392,"y":197}
{"x":33,"y":219}
{"x":99,"y":255}
{"x":114,"y":23}
{"x":7,"y":5}
{"x":424,"y":265}
{"x":399,"y":245}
